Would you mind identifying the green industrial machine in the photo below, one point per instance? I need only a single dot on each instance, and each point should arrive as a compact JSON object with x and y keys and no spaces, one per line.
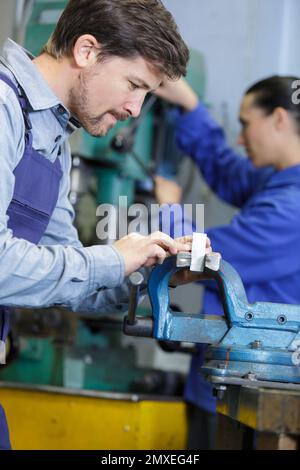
{"x":51,"y":347}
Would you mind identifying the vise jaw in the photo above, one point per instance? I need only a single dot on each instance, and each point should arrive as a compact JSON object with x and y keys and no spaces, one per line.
{"x":251,"y":342}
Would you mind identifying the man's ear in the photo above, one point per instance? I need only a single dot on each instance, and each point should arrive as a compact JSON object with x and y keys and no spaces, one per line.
{"x":86,"y":51}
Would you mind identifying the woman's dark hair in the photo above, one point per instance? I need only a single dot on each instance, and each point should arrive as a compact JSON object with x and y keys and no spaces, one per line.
{"x":275,"y":92}
{"x":124,"y":28}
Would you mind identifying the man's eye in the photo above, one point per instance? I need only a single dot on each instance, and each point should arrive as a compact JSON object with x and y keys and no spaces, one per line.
{"x":133,"y":86}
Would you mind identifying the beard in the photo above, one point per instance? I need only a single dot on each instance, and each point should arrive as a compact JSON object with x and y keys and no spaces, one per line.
{"x":79,"y":103}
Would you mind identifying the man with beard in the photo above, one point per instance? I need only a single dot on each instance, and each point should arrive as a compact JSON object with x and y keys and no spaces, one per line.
{"x":101,"y":61}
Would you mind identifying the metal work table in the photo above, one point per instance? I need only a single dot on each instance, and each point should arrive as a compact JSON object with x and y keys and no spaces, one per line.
{"x":252,"y":417}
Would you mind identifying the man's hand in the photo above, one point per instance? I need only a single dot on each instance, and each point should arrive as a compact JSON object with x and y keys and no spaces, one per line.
{"x":138,"y":250}
{"x":179,"y":93}
{"x":167,"y":191}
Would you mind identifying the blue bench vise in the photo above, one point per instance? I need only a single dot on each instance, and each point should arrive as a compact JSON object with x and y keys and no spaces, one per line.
{"x":257,"y":343}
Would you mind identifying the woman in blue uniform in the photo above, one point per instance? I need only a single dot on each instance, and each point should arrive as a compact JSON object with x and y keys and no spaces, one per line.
{"x":262,"y":241}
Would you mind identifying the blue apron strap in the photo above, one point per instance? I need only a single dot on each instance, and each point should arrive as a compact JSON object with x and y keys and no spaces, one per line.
{"x":21,"y":100}
{"x":4,"y":330}
{"x":4,"y":433}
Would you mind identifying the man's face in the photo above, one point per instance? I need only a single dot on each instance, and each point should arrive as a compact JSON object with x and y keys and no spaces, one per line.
{"x":112,"y":90}
{"x":257,"y":134}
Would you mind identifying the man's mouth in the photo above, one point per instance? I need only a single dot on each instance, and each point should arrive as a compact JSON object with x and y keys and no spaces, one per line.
{"x":119,"y":117}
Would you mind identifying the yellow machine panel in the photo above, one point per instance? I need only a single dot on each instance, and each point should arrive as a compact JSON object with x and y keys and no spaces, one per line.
{"x":48,"y":418}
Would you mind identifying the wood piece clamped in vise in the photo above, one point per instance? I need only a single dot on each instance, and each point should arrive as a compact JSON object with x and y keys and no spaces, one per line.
{"x":212,"y":260}
{"x":198,"y":259}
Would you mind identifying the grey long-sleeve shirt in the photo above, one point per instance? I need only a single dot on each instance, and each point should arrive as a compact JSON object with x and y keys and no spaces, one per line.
{"x":59,"y":271}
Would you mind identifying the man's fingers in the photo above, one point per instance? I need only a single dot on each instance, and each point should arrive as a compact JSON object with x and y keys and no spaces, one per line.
{"x":171,"y":245}
{"x":160,"y":254}
{"x":138,"y":250}
{"x":155,"y":255}
{"x":183,"y":246}
{"x":188,"y":239}
{"x":136,"y":236}
{"x":160,"y":236}
{"x":185,"y":239}
{"x":150,"y":262}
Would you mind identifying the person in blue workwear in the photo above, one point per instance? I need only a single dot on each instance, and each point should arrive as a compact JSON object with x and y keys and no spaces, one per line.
{"x":92,"y":73}
{"x":262,"y":240}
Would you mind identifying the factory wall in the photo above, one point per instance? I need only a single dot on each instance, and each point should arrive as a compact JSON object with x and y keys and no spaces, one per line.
{"x":290,"y":57}
{"x":242,"y":41}
{"x":7,"y":12}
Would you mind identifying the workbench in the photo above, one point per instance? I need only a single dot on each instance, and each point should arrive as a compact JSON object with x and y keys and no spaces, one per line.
{"x":256,"y":418}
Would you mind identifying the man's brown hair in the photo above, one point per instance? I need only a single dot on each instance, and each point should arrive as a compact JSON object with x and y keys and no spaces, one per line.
{"x":124,"y":28}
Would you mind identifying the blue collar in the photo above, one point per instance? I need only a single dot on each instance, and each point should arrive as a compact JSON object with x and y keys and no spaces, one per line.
{"x":289,"y":175}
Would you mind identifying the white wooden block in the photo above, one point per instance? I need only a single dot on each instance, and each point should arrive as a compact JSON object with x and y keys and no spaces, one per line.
{"x":198,"y":251}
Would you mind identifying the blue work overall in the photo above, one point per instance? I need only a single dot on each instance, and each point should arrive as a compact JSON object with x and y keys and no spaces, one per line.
{"x":36,"y":190}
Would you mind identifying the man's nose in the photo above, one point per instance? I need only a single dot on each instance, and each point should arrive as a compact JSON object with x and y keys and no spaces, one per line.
{"x":134,"y":107}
